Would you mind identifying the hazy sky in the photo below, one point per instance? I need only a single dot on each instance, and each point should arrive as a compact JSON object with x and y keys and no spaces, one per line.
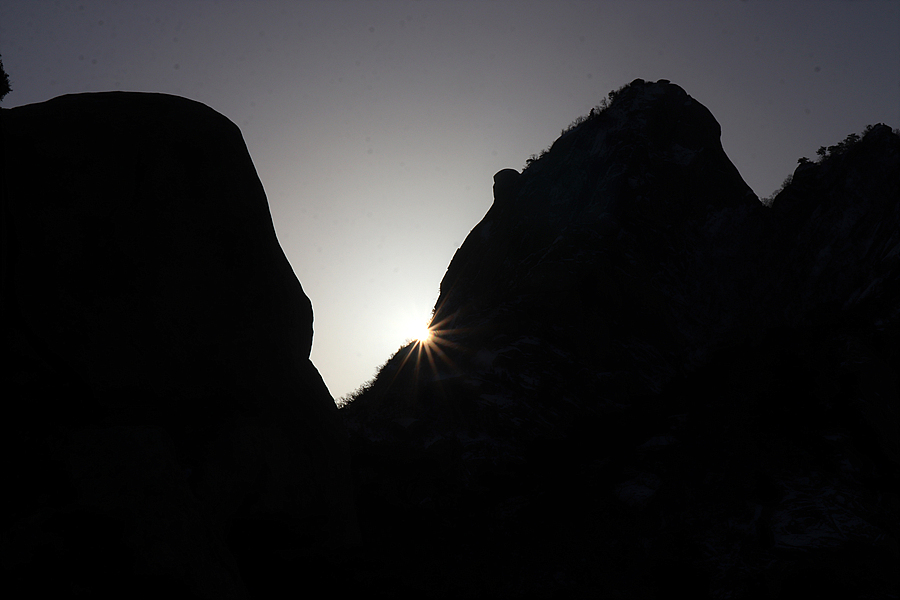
{"x":376,"y":126}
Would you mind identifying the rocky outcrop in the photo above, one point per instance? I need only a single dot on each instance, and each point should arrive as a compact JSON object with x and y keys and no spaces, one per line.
{"x":506,"y":184}
{"x":644,"y":383}
{"x":164,"y":430}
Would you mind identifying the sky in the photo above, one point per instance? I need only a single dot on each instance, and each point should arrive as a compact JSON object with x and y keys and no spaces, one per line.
{"x":376,"y":126}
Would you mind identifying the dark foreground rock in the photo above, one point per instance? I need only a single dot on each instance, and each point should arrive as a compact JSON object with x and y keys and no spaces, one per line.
{"x":164,"y":431}
{"x":646,"y":384}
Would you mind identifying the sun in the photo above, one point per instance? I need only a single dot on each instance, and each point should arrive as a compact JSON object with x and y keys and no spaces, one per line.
{"x":427,"y":346}
{"x":422,"y":334}
{"x":415,"y":329}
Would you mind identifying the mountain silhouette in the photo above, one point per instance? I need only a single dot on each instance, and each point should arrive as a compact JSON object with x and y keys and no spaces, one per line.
{"x":645,"y":383}
{"x":165,"y":431}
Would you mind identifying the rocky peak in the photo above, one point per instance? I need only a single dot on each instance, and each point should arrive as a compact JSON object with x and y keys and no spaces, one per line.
{"x":847,"y":169}
{"x":653,"y":156}
{"x":629,"y":337}
{"x":167,"y":433}
{"x":838,"y":222}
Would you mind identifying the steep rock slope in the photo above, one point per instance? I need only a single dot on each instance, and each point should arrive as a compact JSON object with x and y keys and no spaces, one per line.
{"x":164,"y":427}
{"x":644,"y":382}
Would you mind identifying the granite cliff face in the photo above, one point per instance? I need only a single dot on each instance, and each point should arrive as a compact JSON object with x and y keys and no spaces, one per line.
{"x":165,"y":431}
{"x":644,"y":382}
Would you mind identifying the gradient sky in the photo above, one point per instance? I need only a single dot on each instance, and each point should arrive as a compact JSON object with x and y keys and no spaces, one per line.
{"x":376,"y":126}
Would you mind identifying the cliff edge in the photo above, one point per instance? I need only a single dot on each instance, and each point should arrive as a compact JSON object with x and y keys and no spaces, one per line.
{"x":165,"y":428}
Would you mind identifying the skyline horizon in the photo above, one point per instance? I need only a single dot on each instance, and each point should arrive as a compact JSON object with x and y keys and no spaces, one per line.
{"x":376,"y":129}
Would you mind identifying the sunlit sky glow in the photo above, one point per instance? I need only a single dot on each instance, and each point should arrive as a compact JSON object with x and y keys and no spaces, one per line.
{"x":376,"y":127}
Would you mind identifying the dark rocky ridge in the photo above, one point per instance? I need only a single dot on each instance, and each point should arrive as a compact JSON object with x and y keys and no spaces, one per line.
{"x":646,"y":383}
{"x":164,"y":429}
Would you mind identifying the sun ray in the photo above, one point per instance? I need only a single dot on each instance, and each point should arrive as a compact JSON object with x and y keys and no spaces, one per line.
{"x":430,"y":348}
